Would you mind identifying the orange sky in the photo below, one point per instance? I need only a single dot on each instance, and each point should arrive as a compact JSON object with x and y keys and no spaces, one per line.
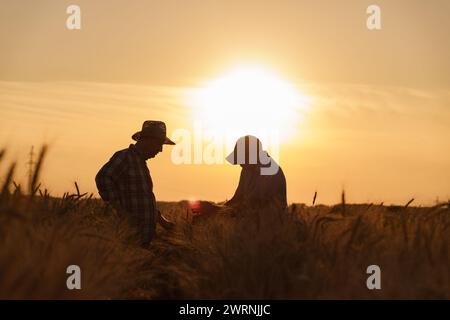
{"x":378,"y":121}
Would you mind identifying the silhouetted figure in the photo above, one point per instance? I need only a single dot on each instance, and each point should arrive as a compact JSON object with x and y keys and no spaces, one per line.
{"x":261,"y":184}
{"x":125,"y":181}
{"x":257,"y":187}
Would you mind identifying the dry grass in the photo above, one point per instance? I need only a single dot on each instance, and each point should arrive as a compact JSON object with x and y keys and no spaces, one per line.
{"x":316,"y":252}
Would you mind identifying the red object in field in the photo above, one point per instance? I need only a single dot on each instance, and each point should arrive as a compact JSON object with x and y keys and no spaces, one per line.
{"x":195,"y":206}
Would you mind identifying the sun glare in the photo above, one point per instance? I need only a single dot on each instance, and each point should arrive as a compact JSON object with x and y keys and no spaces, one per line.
{"x":248,"y":101}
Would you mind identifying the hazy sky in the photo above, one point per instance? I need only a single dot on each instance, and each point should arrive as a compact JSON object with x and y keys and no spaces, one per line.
{"x":378,"y":123}
{"x":175,"y":42}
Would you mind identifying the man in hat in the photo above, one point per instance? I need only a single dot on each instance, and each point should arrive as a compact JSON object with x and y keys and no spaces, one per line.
{"x":125,"y":181}
{"x":261,"y":184}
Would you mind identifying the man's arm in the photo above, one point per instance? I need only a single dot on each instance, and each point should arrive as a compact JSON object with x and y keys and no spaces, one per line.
{"x":108,"y":176}
{"x":144,"y":213}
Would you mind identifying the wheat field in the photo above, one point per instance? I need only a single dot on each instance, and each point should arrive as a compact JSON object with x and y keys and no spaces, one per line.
{"x":306,"y":252}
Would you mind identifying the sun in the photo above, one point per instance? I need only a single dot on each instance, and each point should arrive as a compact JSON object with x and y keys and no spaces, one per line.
{"x":248,"y":100}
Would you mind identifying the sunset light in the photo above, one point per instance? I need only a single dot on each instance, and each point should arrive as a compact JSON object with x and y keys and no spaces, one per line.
{"x":218,"y":153}
{"x":249,"y":101}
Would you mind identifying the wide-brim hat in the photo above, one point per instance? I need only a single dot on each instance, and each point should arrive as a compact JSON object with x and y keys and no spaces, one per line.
{"x":247,"y":150}
{"x":152,"y":128}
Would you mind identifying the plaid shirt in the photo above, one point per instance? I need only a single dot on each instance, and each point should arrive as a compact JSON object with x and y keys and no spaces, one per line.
{"x":125,"y":182}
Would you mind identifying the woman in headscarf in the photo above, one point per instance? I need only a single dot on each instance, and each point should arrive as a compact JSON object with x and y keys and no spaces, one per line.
{"x":261,"y":184}
{"x":262,"y":181}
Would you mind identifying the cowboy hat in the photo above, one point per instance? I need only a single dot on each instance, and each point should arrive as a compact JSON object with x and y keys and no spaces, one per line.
{"x":152,"y":128}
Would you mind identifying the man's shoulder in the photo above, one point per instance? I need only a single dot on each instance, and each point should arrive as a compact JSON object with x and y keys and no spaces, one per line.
{"x":128,"y":155}
{"x":121,"y":155}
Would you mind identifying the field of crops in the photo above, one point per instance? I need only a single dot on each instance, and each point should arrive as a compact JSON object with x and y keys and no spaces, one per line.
{"x":308,"y":252}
